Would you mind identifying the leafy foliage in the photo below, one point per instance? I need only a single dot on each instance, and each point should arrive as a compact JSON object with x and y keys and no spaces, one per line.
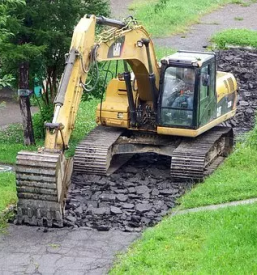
{"x":238,"y":37}
{"x":5,"y":4}
{"x":5,"y":80}
{"x":41,"y":33}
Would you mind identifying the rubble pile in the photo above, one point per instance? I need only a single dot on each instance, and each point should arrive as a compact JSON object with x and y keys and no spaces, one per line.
{"x":137,"y":195}
{"x":243,"y":64}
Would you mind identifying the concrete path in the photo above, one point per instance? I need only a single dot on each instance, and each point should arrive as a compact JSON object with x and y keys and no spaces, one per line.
{"x":214,"y":207}
{"x":10,"y":109}
{"x":30,"y":250}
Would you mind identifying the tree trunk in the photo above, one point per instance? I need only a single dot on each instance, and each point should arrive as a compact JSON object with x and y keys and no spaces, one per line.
{"x":25,"y":104}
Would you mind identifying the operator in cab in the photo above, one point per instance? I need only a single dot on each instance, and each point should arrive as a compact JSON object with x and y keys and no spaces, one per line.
{"x":186,"y":94}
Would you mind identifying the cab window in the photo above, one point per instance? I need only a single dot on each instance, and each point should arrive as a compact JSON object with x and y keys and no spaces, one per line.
{"x":178,"y":97}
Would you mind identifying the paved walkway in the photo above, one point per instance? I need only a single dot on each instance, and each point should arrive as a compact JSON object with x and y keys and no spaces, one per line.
{"x":10,"y":109}
{"x":30,"y":250}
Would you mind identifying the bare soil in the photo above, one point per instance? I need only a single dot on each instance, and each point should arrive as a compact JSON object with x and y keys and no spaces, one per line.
{"x":120,"y":8}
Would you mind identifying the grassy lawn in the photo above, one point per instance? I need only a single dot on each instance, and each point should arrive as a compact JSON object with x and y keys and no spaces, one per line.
{"x":11,"y":142}
{"x":162,"y":52}
{"x":217,"y":242}
{"x":7,"y":194}
{"x":85,"y":122}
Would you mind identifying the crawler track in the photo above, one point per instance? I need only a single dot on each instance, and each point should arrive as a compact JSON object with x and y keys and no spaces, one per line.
{"x":197,"y":158}
{"x":93,"y":155}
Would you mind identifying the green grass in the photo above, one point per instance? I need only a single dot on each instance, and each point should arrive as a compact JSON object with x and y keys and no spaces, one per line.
{"x":234,"y":180}
{"x":8,"y":189}
{"x":238,"y":37}
{"x":238,"y":18}
{"x":7,"y":195}
{"x":11,"y":142}
{"x":217,"y":242}
{"x":8,"y":152}
{"x":162,"y":18}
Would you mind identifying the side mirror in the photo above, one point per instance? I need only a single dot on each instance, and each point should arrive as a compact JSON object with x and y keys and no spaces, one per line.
{"x":205,"y":79}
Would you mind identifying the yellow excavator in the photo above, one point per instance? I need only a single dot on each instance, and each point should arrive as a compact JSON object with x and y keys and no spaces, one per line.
{"x":170,"y":108}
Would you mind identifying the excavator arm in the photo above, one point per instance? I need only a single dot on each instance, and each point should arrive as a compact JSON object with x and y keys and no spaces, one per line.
{"x":43,"y":177}
{"x":123,"y":42}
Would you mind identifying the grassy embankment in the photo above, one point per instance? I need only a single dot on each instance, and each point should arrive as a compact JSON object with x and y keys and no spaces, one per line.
{"x":208,"y":242}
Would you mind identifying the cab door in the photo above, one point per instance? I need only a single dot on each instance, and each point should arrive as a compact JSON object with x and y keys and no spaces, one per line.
{"x":207,"y":94}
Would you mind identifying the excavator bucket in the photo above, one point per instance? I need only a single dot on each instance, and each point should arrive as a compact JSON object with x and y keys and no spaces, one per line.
{"x":42,"y":181}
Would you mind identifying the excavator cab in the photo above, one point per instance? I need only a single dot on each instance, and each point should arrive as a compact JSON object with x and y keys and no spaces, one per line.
{"x":187,"y":90}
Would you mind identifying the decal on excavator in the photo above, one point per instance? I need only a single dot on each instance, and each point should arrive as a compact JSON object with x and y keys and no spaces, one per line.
{"x":116,"y":48}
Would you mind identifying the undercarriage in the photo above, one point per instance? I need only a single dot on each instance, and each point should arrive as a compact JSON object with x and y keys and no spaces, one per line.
{"x":43,"y":178}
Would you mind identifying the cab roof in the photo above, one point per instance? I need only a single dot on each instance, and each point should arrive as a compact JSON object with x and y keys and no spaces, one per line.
{"x":195,"y":59}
